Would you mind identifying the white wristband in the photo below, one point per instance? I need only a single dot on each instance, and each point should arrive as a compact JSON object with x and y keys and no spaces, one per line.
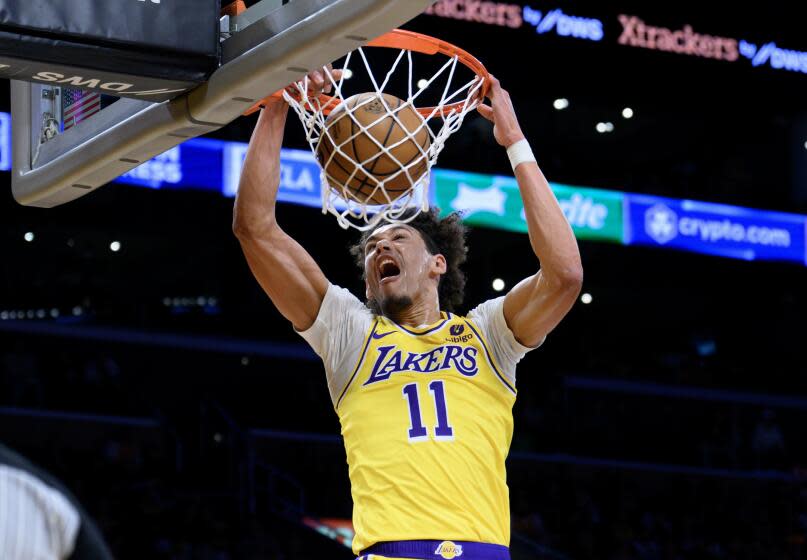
{"x":520,"y":152}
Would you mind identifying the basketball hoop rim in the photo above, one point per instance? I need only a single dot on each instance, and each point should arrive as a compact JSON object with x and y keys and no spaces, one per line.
{"x":420,"y":43}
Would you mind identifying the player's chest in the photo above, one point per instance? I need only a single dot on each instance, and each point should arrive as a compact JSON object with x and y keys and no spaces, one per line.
{"x":392,"y":355}
{"x":423,"y":388}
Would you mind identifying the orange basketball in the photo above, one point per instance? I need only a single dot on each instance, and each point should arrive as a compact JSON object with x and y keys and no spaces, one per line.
{"x":407,"y":140}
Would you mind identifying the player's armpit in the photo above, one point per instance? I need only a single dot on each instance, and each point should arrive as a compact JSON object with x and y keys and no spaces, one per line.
{"x":536,"y":305}
{"x":287,"y":273}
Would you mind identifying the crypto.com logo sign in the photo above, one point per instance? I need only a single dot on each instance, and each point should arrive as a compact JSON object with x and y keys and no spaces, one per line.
{"x":661,"y":223}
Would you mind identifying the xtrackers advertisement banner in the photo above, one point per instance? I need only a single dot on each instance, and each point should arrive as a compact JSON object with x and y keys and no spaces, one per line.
{"x":547,"y":18}
{"x":714,"y":229}
{"x":145,"y":49}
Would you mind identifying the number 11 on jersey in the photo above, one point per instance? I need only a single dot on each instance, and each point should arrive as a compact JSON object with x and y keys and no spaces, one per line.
{"x":417,"y":431}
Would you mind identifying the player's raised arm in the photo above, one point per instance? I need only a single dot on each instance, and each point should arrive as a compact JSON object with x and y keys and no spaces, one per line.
{"x":287,"y":273}
{"x":537,"y":304}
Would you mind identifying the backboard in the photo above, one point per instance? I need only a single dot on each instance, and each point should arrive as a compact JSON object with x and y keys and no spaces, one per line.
{"x":264,"y":48}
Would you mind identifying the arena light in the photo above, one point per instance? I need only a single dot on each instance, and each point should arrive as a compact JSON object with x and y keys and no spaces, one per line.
{"x":805,"y":144}
{"x":609,"y":127}
{"x":114,"y":246}
{"x":561,"y":103}
{"x":498,"y":284}
{"x":586,"y":298}
{"x":23,"y":314}
{"x":77,"y":311}
{"x":627,"y":113}
{"x":423,"y":83}
{"x":188,"y":302}
{"x":29,"y":236}
{"x":347,"y":73}
{"x":54,"y":313}
{"x":601,"y":128}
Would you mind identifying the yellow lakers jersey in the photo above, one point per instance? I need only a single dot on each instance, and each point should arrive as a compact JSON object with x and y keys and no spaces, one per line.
{"x":427,"y":422}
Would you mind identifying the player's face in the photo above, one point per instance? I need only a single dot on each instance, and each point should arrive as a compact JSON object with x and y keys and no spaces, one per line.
{"x":398,"y":266}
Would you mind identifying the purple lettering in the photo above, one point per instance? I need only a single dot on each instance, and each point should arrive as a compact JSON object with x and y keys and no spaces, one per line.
{"x":452,"y":353}
{"x":391,"y":360}
{"x":412,"y":362}
{"x":432,"y":360}
{"x":379,"y":373}
{"x":469,"y":356}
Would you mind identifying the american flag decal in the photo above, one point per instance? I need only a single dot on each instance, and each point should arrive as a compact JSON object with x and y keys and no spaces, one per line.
{"x":78,"y":105}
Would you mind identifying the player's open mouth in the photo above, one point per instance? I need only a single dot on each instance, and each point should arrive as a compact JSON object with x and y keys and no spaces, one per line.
{"x":388,"y":270}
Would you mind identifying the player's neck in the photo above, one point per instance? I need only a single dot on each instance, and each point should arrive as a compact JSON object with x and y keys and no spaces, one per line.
{"x":418,"y":314}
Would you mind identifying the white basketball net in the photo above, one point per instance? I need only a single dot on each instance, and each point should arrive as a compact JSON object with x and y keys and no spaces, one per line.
{"x":338,"y":198}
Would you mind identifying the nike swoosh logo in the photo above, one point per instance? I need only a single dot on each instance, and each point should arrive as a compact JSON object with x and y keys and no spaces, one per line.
{"x":379,"y":336}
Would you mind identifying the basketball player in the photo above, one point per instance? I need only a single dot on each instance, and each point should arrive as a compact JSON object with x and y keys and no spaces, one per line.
{"x":424,"y":395}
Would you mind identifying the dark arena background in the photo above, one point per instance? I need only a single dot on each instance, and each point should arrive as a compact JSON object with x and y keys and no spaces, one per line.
{"x":666,"y":418}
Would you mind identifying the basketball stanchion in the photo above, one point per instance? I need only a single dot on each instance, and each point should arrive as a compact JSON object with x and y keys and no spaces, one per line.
{"x":256,"y":49}
{"x":376,"y":148}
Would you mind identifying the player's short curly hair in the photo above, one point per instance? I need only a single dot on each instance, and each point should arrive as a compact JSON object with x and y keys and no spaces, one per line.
{"x":444,"y":236}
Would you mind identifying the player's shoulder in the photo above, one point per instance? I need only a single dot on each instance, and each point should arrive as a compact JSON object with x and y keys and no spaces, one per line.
{"x":487,"y":311}
{"x":343,"y":297}
{"x":341,"y":303}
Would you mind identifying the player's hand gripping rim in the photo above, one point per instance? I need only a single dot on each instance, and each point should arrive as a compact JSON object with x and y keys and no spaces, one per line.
{"x":315,"y":83}
{"x":501,"y":113}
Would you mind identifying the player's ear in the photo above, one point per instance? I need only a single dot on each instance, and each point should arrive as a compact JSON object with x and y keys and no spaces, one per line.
{"x":439,"y":265}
